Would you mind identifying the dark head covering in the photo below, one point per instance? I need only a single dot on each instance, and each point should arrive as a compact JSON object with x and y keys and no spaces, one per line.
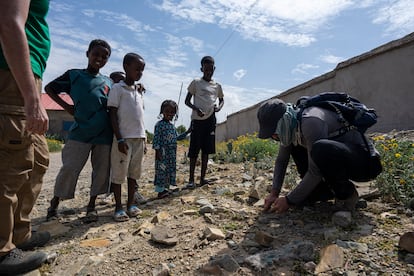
{"x":269,"y":114}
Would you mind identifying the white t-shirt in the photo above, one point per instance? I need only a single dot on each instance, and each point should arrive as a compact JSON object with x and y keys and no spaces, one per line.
{"x":130,"y":105}
{"x":205,"y":96}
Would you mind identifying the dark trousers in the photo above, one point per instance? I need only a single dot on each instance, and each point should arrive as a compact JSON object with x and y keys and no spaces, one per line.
{"x":338,"y":162}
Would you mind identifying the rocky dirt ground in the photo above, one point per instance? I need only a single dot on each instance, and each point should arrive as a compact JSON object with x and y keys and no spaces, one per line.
{"x":220,"y":229}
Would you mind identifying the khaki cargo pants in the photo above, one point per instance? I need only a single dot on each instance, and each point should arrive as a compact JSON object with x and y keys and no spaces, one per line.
{"x":24,"y":159}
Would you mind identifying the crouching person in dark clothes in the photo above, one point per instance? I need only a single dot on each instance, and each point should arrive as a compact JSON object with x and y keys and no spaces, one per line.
{"x":325,"y":165}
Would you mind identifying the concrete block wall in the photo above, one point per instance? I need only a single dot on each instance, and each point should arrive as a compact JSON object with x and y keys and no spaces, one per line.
{"x":382,"y":79}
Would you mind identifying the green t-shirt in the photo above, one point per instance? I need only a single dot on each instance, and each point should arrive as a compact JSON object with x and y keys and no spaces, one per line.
{"x":89,"y":94}
{"x":37,"y":32}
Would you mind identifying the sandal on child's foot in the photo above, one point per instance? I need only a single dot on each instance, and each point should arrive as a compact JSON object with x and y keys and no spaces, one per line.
{"x":120,"y":216}
{"x":133,"y":211}
{"x":91,"y":216}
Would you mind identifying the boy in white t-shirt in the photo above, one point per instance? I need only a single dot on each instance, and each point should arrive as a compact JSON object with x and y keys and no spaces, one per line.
{"x":203,"y":120}
{"x":126,"y":110}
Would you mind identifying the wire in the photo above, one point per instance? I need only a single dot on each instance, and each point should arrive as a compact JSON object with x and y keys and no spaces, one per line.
{"x":234,"y":29}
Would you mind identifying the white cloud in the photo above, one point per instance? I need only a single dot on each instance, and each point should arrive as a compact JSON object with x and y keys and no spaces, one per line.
{"x":303,"y":68}
{"x":398,"y":15}
{"x":239,"y":74}
{"x":331,"y":59}
{"x":291,"y":22}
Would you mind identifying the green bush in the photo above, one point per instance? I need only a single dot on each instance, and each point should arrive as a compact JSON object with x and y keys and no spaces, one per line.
{"x":396,"y":182}
{"x":245,"y":148}
{"x":54,"y":145}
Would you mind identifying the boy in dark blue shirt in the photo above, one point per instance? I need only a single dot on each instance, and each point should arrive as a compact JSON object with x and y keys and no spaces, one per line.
{"x":91,"y":133}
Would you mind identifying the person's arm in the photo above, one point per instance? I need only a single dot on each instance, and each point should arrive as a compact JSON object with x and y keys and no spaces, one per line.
{"x":221,"y":103}
{"x":193,"y":107}
{"x":113,"y":115}
{"x":279,"y":172}
{"x":15,"y":48}
{"x":57,"y":86}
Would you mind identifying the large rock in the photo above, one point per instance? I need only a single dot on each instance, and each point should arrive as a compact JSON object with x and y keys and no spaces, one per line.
{"x":163,"y":235}
{"x":332,"y":256}
{"x":407,"y":242}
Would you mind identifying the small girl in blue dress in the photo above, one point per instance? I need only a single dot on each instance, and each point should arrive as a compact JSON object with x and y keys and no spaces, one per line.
{"x":165,"y":146}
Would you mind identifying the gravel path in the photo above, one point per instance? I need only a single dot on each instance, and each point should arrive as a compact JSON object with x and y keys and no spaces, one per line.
{"x":109,"y":248}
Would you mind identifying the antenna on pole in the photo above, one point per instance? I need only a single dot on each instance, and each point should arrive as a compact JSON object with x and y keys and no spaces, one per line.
{"x":179,"y":97}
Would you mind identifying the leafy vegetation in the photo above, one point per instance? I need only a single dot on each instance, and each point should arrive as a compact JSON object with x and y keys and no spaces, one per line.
{"x":54,"y":143}
{"x":396,"y":182}
{"x":245,"y":148}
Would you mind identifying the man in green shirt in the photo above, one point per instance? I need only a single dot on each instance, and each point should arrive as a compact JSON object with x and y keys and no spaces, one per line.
{"x":24,"y":156}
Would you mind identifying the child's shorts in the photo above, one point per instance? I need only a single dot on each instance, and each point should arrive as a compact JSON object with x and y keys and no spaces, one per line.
{"x":127,"y":165}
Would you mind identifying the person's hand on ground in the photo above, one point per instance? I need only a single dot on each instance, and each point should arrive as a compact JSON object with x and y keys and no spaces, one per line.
{"x":280,"y":205}
{"x":269,"y":200}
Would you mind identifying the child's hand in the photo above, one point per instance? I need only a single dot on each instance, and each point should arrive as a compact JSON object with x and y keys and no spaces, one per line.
{"x":123,"y":147}
{"x":200,"y":112}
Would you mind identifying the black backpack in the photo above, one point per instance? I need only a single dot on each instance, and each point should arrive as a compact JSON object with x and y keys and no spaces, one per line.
{"x":351,"y":112}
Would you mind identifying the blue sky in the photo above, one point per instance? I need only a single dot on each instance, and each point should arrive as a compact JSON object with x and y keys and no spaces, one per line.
{"x":261,"y":47}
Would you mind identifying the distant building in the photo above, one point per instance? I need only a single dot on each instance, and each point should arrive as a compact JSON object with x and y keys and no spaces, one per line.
{"x":59,"y":119}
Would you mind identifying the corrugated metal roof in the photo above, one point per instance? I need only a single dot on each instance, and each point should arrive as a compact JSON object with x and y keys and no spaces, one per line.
{"x":50,"y":104}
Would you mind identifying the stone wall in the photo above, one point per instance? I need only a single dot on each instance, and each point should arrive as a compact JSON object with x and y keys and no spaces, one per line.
{"x":382,"y":79}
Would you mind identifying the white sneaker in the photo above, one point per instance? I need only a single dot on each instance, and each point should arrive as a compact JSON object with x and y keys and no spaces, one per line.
{"x":139,"y":199}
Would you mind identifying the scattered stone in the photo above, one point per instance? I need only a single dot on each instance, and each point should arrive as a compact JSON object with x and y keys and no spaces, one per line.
{"x":208,"y":218}
{"x":293,"y":251}
{"x":331,"y":234}
{"x":258,"y":191}
{"x":359,"y":247}
{"x":263,"y":238}
{"x":144,"y":228}
{"x":331,"y":257}
{"x":206,"y":209}
{"x":212,"y":234}
{"x":190,"y":212}
{"x":232,"y":244}
{"x":342,"y":218}
{"x":211,"y":269}
{"x":407,"y":242}
{"x":226,"y":262}
{"x":163,"y":235}
{"x":246,"y":177}
{"x":203,"y":201}
{"x":409,"y":258}
{"x":387,"y":215}
{"x":310,"y":267}
{"x":259,"y":203}
{"x":161,"y":270}
{"x":98,"y":242}
{"x":161,"y":216}
{"x":188,"y":199}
